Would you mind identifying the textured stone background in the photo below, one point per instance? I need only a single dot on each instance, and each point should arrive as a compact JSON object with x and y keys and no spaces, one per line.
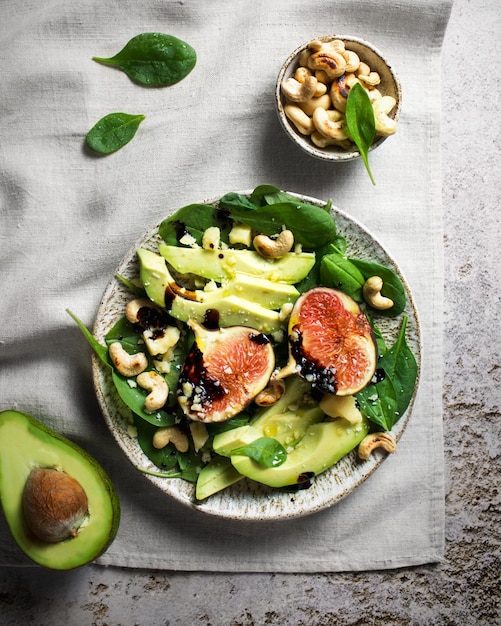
{"x":462,"y":590}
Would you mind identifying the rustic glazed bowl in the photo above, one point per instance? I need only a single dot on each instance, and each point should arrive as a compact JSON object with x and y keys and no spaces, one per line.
{"x":389,"y":85}
{"x":248,"y":500}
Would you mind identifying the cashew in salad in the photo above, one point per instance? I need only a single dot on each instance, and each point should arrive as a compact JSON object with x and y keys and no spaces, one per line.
{"x":373,"y":296}
{"x":171,"y":434}
{"x":274,"y":248}
{"x":271,"y":394}
{"x":376,"y":440}
{"x":133,"y":307}
{"x":158,"y":388}
{"x":128,"y":365}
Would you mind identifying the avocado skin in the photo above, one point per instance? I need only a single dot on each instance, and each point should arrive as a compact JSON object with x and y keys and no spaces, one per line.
{"x":323,"y":445}
{"x":26,"y":443}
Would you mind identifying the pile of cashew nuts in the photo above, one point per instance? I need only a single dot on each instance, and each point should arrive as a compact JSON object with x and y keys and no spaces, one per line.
{"x":316,"y":94}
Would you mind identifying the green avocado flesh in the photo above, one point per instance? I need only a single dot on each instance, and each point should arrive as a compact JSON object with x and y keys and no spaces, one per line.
{"x":323,"y":445}
{"x":241,"y":300}
{"x":27,"y":444}
{"x":312,"y":445}
{"x":216,"y":476}
{"x":220,"y":264}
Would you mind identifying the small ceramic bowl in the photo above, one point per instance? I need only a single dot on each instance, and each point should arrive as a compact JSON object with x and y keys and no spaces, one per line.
{"x":389,"y":86}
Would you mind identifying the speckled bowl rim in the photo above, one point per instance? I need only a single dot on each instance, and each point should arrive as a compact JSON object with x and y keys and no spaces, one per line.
{"x":333,"y":154}
{"x":247,"y":500}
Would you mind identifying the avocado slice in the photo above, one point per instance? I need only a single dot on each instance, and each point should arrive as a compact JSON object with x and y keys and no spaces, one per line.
{"x":242,"y":300}
{"x":218,"y":474}
{"x":220,"y":264}
{"x":154,"y":275}
{"x":323,"y":445}
{"x":231,"y":311}
{"x":27,"y":444}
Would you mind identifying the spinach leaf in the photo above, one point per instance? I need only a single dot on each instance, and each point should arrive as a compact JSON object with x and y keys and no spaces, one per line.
{"x":154,"y":59}
{"x":134,"y":397}
{"x":193,"y":219}
{"x":101,"y":351}
{"x":123,"y":331}
{"x":266,"y":451}
{"x":338,"y":272}
{"x":164,"y":458}
{"x":312,"y":226}
{"x":113,"y":132}
{"x":136,"y":289}
{"x":392,"y":285}
{"x":361,"y":122}
{"x":385,"y":401}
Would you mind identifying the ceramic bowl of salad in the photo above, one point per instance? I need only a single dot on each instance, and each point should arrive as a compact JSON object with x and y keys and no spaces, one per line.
{"x":326,"y":91}
{"x":217,"y":364}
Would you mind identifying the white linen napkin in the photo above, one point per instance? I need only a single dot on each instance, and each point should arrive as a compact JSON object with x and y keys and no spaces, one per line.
{"x":67,"y":218}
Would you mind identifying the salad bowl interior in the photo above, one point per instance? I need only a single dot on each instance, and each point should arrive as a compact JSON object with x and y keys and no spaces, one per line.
{"x":248,"y":500}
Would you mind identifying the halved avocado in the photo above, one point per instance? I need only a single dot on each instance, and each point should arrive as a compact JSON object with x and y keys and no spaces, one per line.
{"x":27,"y":444}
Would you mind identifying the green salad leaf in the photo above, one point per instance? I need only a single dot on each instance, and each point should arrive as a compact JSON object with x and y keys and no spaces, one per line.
{"x":154,"y":59}
{"x":266,"y":451}
{"x":361,"y":122}
{"x":386,"y":400}
{"x":112,"y":132}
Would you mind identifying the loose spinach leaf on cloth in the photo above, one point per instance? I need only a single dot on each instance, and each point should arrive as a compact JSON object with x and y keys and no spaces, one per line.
{"x":385,"y":401}
{"x":113,"y":132}
{"x":154,"y":59}
{"x":266,"y":451}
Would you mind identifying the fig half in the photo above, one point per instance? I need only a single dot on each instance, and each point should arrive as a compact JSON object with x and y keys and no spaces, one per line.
{"x":224,"y":371}
{"x":331,"y":343}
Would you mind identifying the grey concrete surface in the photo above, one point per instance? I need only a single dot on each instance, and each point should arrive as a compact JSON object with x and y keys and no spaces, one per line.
{"x":462,"y":590}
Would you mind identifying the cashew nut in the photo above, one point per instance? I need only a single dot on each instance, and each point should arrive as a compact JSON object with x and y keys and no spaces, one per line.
{"x":271,"y":394}
{"x":133,"y":307}
{"x":335,"y":69}
{"x":299,"y":91}
{"x":340,"y":89}
{"x":370,"y":80}
{"x":385,"y":125}
{"x":298,"y":117}
{"x":171,"y":434}
{"x":373,"y":296}
{"x":352,"y":60}
{"x":328,"y":124}
{"x":158,"y":388}
{"x":308,"y":106}
{"x":331,"y":62}
{"x":127,"y":364}
{"x":376,"y":440}
{"x":322,"y":142}
{"x":274,"y":248}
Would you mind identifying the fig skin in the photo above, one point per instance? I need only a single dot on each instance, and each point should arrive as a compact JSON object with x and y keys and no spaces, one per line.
{"x":54,"y":505}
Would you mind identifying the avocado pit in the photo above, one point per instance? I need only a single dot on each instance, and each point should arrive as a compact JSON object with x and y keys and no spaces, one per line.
{"x":54,"y":505}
